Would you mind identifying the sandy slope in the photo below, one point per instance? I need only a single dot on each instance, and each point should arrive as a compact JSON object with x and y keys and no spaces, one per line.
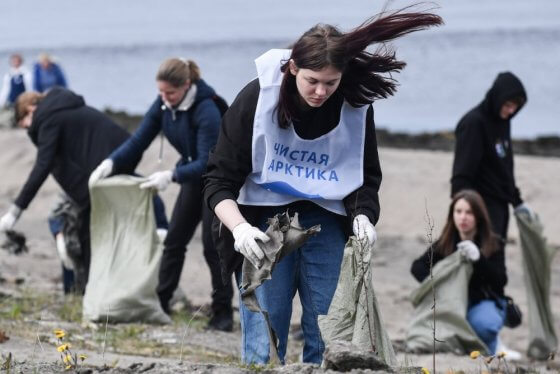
{"x":412,"y":181}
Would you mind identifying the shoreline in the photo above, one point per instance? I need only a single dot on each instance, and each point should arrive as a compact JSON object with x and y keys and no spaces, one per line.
{"x":543,"y":146}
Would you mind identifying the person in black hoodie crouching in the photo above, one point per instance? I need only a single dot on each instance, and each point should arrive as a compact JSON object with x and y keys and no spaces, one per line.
{"x":71,"y":139}
{"x":483,"y":151}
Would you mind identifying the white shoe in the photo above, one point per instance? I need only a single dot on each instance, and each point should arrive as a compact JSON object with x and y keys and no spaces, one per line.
{"x":510,"y":354}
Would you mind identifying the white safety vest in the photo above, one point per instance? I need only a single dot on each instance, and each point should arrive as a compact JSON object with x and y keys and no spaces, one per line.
{"x":287,"y":168}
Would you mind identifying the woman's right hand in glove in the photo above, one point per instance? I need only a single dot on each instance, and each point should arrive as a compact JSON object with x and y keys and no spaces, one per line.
{"x":104,"y":169}
{"x":246,"y":237}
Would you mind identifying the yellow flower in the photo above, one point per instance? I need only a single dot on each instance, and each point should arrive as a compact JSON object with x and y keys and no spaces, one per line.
{"x":67,"y":358}
{"x":59,"y":333}
{"x":63,"y":347}
{"x":68,"y":367}
{"x":82,"y":357}
{"x":501,"y":355}
{"x":425,"y":371}
{"x":475,"y":354}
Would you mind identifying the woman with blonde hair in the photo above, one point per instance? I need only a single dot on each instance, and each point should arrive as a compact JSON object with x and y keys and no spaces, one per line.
{"x":186,"y":113}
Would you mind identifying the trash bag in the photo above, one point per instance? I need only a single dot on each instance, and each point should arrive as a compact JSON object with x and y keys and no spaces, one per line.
{"x":354,"y":315}
{"x":537,"y":259}
{"x":286,"y":235}
{"x":125,"y":254}
{"x":454,"y":334}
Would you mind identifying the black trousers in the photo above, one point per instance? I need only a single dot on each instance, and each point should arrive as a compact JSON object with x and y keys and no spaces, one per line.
{"x":499,"y":216}
{"x":189,"y":210}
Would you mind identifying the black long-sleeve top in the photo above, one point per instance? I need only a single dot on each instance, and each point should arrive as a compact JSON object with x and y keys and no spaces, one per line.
{"x":488,"y":278}
{"x":230,"y":162}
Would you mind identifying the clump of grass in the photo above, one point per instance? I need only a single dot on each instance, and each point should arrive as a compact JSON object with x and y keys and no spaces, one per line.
{"x":71,"y":309}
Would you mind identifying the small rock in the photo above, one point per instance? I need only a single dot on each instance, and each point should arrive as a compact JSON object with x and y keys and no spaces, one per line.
{"x":344,"y":356}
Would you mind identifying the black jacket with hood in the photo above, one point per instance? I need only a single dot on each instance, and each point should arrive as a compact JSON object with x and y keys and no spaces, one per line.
{"x":71,"y":139}
{"x":483,"y":150}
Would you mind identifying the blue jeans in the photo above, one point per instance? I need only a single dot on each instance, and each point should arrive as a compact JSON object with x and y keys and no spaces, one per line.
{"x":487,"y":319}
{"x":313,"y":272}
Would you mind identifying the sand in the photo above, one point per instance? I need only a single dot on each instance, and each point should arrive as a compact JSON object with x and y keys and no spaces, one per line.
{"x":415,"y":183}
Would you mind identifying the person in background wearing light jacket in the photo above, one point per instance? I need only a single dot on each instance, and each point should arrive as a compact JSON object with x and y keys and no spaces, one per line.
{"x":16,"y":81}
{"x":186,"y":113}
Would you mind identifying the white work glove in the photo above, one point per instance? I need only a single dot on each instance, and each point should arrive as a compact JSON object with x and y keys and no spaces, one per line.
{"x":62,"y":252}
{"x":469,"y":250}
{"x":245,"y":237}
{"x":524,"y":209}
{"x":159,"y":180}
{"x":9,"y":219}
{"x":104,"y":169}
{"x":365,"y":233}
{"x":161,"y":234}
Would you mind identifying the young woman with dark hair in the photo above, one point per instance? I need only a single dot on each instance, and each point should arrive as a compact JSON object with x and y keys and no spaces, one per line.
{"x":468,"y":230}
{"x":302,"y":137}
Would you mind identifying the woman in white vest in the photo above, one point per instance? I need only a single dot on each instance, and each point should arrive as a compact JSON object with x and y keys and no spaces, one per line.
{"x":302,"y":137}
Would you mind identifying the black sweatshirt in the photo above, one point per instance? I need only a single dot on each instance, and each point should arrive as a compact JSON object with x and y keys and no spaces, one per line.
{"x":72,"y":139}
{"x":488,"y":278}
{"x":230,"y":162}
{"x":483,"y":150}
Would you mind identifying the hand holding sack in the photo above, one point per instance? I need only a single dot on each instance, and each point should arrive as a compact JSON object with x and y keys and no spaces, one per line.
{"x":469,"y":250}
{"x":104,"y":169}
{"x":245,"y":237}
{"x":365,"y":233}
{"x":9,"y":219}
{"x":525,"y":210}
{"x":159,"y":180}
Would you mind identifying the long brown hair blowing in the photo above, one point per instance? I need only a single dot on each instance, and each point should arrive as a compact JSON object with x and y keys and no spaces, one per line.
{"x":362,"y":82}
{"x":484,"y":235}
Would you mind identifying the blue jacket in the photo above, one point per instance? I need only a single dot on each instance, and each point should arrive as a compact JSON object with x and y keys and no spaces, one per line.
{"x":43,"y":79}
{"x":192,"y":132}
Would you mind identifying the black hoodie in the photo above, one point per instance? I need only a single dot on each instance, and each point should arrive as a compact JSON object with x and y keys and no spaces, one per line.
{"x":71,"y":139}
{"x":483,"y":150}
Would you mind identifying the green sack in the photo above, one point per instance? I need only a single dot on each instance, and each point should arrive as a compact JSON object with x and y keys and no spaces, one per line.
{"x":537,"y":259}
{"x":125,"y":254}
{"x":451,"y":278}
{"x":354,"y":315}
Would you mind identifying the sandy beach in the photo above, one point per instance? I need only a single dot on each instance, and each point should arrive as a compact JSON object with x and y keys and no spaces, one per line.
{"x":415,"y":184}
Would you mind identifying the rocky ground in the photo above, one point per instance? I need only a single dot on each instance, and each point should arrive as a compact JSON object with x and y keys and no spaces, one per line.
{"x":415,"y":182}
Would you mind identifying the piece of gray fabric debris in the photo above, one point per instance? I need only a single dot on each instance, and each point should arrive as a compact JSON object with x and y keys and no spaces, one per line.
{"x":354,"y":315}
{"x":286,"y":235}
{"x":537,"y":261}
{"x":15,"y":242}
{"x":67,"y":212}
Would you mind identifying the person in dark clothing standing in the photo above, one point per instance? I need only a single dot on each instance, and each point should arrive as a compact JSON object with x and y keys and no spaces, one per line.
{"x":483,"y":151}
{"x":301,"y":138}
{"x":71,"y":139}
{"x":186,"y":113}
{"x":468,"y":230}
